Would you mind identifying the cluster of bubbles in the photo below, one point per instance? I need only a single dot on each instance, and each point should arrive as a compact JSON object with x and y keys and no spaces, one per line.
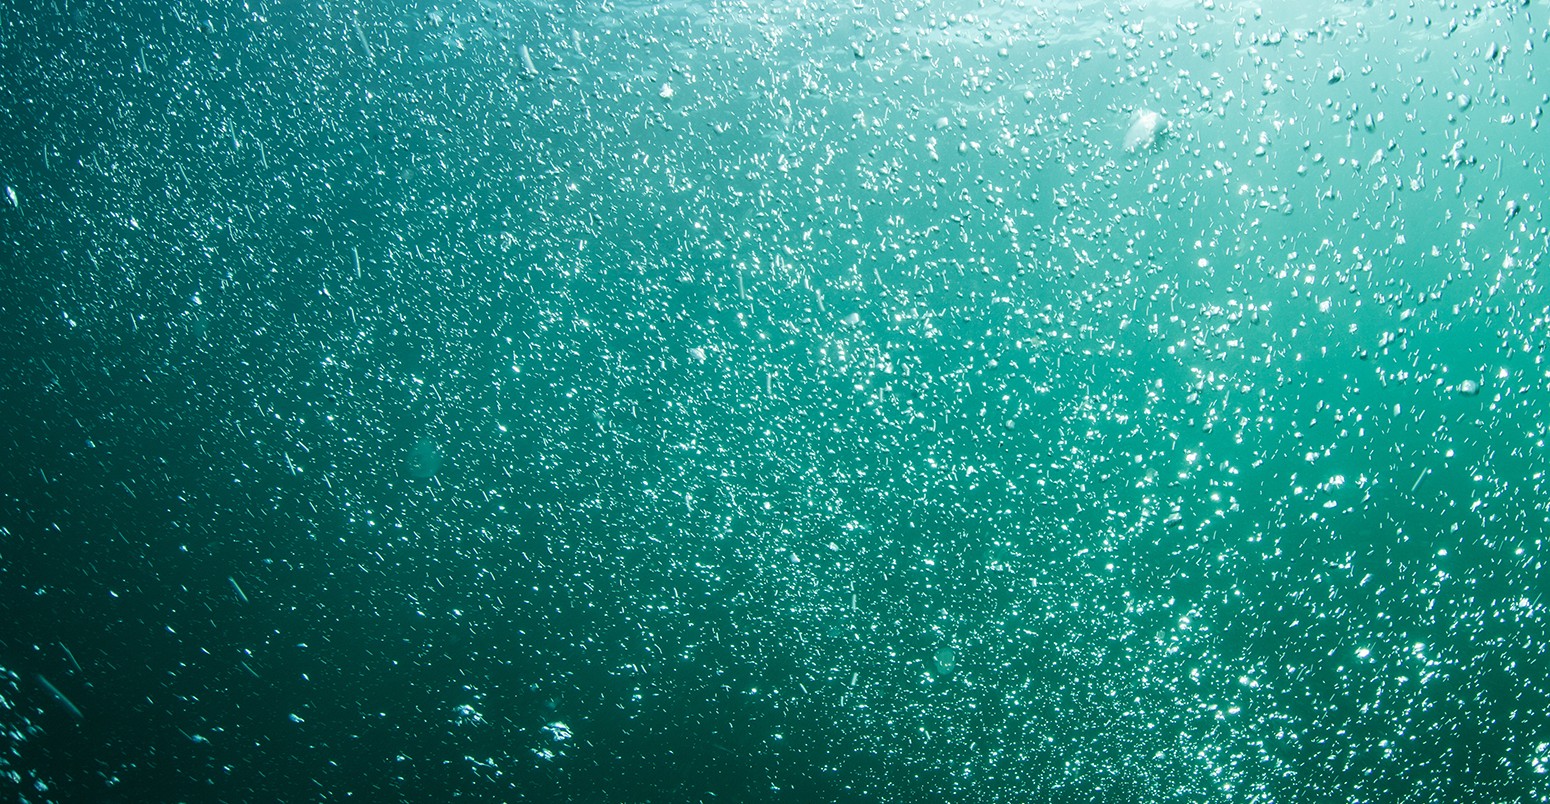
{"x":996,"y":403}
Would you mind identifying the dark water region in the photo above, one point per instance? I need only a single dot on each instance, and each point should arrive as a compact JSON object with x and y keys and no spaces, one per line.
{"x":702,"y":401}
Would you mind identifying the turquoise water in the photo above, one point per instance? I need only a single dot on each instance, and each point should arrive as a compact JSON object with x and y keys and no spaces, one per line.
{"x":990,"y":402}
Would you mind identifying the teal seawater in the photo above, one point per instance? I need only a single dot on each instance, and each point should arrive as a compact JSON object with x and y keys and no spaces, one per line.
{"x":711,"y":401}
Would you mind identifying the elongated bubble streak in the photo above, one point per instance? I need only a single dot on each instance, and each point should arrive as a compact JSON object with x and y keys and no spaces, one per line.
{"x":61,"y":698}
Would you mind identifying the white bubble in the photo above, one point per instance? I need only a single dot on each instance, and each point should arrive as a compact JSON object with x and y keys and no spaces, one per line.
{"x":1145,"y":126}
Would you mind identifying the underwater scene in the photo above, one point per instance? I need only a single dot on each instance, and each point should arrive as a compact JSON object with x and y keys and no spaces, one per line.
{"x":794,"y":401}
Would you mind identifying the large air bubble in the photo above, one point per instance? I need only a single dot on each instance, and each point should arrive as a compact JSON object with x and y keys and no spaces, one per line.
{"x":1146,"y":128}
{"x":424,"y":460}
{"x":946,"y":661}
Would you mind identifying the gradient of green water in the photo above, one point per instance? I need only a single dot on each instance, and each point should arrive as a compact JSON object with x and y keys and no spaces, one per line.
{"x":702,"y":388}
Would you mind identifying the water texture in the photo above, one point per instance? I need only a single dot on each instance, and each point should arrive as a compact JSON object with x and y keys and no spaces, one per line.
{"x":793,"y":401}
